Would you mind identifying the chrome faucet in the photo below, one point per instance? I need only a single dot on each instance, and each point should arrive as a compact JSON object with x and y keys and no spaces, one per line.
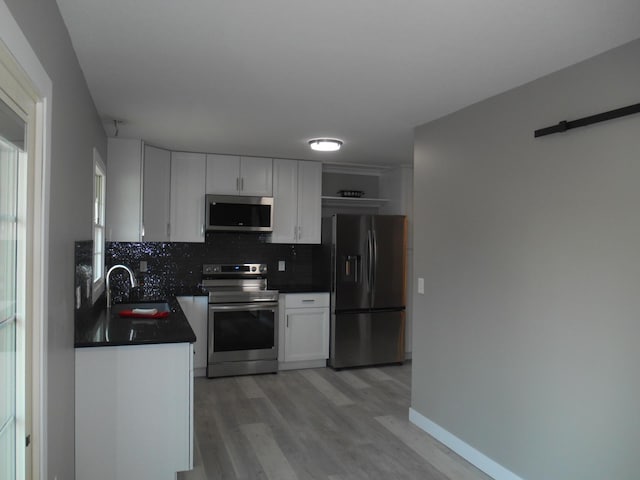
{"x":132,"y":278}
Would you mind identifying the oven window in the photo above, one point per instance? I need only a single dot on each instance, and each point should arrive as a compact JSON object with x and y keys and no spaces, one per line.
{"x":243,"y":330}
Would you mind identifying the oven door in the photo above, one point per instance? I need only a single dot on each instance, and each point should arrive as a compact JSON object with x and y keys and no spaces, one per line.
{"x":242,"y":331}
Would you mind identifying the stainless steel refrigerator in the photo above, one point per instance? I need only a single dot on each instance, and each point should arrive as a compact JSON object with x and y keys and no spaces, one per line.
{"x":368,"y":288}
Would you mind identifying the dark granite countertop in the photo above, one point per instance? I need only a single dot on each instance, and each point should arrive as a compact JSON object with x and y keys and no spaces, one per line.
{"x":102,"y":328}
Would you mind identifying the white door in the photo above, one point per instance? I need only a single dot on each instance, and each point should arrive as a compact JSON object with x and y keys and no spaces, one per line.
{"x":19,"y":129}
{"x":11,"y":144}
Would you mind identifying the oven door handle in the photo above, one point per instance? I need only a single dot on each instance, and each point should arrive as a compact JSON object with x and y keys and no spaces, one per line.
{"x":235,"y":307}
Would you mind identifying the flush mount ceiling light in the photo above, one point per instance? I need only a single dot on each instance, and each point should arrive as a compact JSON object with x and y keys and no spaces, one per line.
{"x":325,"y":144}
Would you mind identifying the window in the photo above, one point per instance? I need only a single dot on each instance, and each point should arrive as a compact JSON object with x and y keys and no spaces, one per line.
{"x":99,"y":198}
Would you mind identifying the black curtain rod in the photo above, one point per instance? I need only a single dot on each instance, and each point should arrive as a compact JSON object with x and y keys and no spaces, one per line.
{"x":564,"y":125}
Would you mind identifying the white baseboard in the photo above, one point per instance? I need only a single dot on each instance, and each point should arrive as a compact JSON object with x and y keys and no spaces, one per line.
{"x":466,"y":451}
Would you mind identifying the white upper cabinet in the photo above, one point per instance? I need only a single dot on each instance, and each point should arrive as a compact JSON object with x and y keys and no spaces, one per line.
{"x":297,"y":209}
{"x":285,"y":201}
{"x":232,"y":175}
{"x":256,"y":176}
{"x":156,"y":198}
{"x":124,"y":196}
{"x":309,"y":201}
{"x":188,"y":173}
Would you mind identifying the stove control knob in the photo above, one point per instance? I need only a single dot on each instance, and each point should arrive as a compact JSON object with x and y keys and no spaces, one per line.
{"x":263,"y":268}
{"x":253,"y":269}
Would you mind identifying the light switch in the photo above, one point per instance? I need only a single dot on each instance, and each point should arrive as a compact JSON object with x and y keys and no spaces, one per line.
{"x":281,"y":265}
{"x":421,"y":285}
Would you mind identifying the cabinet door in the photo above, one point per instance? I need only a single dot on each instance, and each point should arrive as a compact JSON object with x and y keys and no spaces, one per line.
{"x":124,"y":167}
{"x":256,"y":176}
{"x":195,"y":309}
{"x":309,"y":202}
{"x":133,"y":411}
{"x":156,"y":198}
{"x":188,"y":171}
{"x":306,"y":334}
{"x":285,"y":201}
{"x":223,"y":174}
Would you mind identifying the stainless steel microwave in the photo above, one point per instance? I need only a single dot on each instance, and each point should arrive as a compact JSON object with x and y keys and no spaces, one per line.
{"x":231,"y":213}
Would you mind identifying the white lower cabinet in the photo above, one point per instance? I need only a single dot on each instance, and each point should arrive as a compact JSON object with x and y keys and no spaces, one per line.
{"x":196,"y":310}
{"x":134,"y":411}
{"x":304,"y":330}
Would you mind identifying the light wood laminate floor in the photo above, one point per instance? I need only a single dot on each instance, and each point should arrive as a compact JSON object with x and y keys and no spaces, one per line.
{"x":316,"y":424}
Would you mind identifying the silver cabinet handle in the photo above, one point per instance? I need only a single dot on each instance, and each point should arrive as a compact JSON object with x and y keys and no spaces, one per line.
{"x":309,"y":300}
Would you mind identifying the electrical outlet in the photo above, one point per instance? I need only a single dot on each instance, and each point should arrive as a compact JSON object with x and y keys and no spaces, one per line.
{"x":143,"y":266}
{"x":281,"y":266}
{"x":421,"y":285}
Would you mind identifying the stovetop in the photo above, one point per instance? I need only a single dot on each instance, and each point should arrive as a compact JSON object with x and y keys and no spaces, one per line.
{"x":237,"y":283}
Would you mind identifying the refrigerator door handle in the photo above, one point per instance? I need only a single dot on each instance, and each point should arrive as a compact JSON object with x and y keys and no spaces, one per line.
{"x":374,"y":263}
{"x":369,"y":260}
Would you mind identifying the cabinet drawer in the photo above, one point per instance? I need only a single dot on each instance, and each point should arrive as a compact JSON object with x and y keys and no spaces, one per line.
{"x":306,"y":300}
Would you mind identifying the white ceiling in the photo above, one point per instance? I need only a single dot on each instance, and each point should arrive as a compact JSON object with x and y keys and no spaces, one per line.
{"x":259,"y":77}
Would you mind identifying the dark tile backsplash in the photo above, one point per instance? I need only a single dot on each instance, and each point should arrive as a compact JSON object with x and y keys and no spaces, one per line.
{"x":173,"y":268}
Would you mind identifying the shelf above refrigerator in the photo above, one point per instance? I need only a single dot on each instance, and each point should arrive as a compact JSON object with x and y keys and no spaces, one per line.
{"x":353,"y":201}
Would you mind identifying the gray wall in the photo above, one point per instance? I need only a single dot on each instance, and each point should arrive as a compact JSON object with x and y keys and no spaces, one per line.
{"x":76,"y":130}
{"x":526,"y":342}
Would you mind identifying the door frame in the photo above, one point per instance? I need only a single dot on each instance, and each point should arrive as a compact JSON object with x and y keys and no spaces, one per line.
{"x":20,"y":59}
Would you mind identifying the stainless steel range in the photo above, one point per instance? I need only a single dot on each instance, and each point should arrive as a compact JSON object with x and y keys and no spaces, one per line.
{"x":243,"y":320}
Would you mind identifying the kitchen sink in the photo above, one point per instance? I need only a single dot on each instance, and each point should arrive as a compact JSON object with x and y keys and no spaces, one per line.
{"x":160,"y":306}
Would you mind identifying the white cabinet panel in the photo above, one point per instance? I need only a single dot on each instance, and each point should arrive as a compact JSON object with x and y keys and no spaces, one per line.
{"x":232,"y":175}
{"x":124,"y":195}
{"x":134,"y":411}
{"x":156,"y":199}
{"x":285,"y":201}
{"x":309,"y":202}
{"x":195,"y":309}
{"x":304,"y":325}
{"x":307,"y":334}
{"x":256,"y":176}
{"x":297,"y":210}
{"x":306,"y":300}
{"x":223,"y":173}
{"x":188,"y":174}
